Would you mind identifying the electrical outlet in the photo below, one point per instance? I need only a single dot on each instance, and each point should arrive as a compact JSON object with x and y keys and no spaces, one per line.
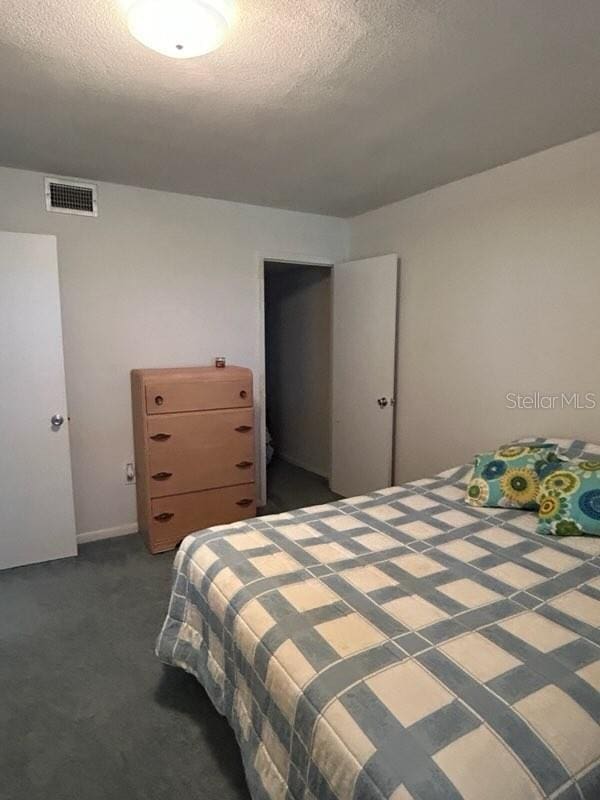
{"x":130,"y":473}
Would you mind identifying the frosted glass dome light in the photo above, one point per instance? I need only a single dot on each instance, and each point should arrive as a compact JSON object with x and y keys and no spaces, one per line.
{"x":180,"y":28}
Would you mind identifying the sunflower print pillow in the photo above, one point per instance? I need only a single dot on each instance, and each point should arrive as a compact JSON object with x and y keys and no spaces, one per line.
{"x":510,"y":477}
{"x":569,"y":500}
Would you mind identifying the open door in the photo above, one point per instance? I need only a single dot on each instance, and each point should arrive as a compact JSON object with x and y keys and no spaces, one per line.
{"x":365,"y":298}
{"x":36,"y":494}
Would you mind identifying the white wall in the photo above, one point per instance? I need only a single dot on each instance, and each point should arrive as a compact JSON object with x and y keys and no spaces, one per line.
{"x":157,"y":279}
{"x":298,"y":338}
{"x":500,"y":293}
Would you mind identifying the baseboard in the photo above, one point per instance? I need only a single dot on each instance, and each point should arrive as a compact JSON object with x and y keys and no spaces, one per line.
{"x":297,"y":462}
{"x":107,"y":533}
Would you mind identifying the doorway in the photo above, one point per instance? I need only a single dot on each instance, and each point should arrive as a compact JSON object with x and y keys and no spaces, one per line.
{"x":298,"y":324}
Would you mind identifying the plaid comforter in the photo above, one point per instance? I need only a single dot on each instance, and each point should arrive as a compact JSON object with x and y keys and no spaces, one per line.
{"x":397,"y":645}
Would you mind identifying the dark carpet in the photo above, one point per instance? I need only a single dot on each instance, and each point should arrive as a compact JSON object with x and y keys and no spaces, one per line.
{"x":290,"y":487}
{"x":87,"y":712}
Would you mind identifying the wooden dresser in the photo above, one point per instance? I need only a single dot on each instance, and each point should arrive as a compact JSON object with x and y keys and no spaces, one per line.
{"x":194,"y":450}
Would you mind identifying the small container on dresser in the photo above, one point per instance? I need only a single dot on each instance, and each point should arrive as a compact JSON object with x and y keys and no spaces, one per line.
{"x":194,"y":450}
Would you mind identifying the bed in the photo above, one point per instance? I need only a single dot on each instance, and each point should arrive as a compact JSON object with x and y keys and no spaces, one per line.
{"x":398,"y":645}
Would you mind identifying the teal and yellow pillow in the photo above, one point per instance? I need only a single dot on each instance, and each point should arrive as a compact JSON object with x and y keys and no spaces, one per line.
{"x":510,"y":477}
{"x":569,"y":500}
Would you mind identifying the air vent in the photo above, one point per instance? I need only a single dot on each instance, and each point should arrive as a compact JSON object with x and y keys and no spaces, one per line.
{"x":71,"y":197}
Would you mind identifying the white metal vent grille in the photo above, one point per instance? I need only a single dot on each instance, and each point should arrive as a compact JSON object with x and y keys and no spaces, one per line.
{"x":71,"y":197}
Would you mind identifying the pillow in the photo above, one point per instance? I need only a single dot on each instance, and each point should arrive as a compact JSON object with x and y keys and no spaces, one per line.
{"x":570,"y":449}
{"x":569,"y":500}
{"x":510,"y":476}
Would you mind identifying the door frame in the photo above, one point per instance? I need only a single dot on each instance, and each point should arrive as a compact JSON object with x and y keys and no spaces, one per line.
{"x":261,"y":381}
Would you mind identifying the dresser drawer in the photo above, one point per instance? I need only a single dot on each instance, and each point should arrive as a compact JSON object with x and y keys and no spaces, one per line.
{"x":198,"y":395}
{"x":172,"y":518}
{"x":205,"y":450}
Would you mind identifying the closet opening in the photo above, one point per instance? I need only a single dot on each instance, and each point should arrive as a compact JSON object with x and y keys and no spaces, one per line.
{"x":297,"y":324}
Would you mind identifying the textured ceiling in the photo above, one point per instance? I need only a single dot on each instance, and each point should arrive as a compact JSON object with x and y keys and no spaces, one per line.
{"x":332,"y":106}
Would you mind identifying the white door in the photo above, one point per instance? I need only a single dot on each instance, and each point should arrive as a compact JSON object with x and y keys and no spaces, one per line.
{"x":364,"y":374}
{"x":36,"y":495}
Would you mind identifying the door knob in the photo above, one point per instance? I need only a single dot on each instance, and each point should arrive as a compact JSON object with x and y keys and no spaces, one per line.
{"x":57,"y":421}
{"x":382,"y":402}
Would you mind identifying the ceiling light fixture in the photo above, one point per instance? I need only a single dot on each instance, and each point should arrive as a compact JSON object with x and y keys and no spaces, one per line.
{"x":181,"y":28}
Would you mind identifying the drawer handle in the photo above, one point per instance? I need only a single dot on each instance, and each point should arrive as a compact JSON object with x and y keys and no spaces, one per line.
{"x":245,"y":464}
{"x":245,"y":502}
{"x":162,"y":476}
{"x":164,"y":517}
{"x":244,"y":428}
{"x":243,"y":394}
{"x":159,"y":400}
{"x":160,"y":437}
